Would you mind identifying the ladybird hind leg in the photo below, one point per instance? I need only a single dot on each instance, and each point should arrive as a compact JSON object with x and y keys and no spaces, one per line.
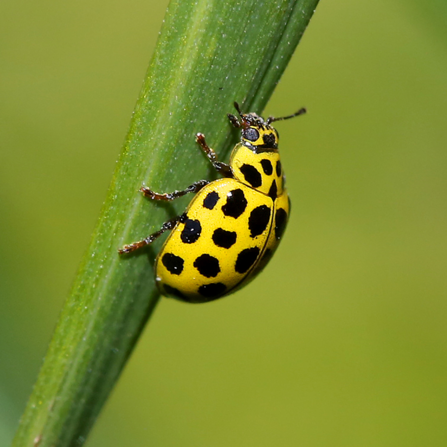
{"x":168,"y":225}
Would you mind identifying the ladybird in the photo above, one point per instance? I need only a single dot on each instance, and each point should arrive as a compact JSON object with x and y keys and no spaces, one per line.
{"x":232,"y":226}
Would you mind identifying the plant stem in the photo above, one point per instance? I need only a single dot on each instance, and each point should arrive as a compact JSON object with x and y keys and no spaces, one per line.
{"x":209,"y":54}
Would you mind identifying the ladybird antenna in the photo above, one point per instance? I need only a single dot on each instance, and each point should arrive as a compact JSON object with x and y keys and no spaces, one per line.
{"x":233,"y":119}
{"x":236,"y":106}
{"x":302,"y":111}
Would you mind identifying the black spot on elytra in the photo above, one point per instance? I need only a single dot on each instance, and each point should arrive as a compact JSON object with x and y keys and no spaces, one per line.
{"x":278,"y":168}
{"x":207,"y":266}
{"x":213,"y":290}
{"x":173,"y":263}
{"x":245,"y":259}
{"x":269,"y":140}
{"x":223,"y":238}
{"x":258,"y":220}
{"x":280,"y":223}
{"x":273,"y":191}
{"x":267,"y":166}
{"x":172,"y":291}
{"x":191,"y":231}
{"x":251,"y":175}
{"x":236,"y":203}
{"x":211,"y":200}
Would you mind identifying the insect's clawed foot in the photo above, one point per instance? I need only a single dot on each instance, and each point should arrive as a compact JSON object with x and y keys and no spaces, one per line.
{"x":130,"y":248}
{"x":200,"y":138}
{"x":155,"y":195}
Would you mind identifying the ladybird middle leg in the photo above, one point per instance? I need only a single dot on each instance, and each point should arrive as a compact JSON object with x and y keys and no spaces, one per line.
{"x":168,"y":196}
{"x":220,"y":167}
{"x":168,"y":225}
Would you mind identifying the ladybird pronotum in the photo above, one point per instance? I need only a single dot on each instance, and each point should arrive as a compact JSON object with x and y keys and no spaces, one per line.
{"x":232,"y":226}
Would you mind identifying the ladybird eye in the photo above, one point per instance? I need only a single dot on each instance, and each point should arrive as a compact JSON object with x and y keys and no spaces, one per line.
{"x":250,"y":134}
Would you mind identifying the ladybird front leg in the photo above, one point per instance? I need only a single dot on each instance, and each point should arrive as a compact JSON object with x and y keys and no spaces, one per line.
{"x":168,"y":196}
{"x":168,"y":225}
{"x":221,"y":167}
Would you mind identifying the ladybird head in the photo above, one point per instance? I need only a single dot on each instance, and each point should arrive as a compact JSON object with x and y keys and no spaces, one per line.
{"x":256,"y":133}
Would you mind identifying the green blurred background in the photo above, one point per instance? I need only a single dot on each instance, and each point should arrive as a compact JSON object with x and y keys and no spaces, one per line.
{"x":343,"y":339}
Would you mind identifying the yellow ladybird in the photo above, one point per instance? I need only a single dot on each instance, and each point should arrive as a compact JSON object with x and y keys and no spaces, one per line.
{"x":232,"y":226}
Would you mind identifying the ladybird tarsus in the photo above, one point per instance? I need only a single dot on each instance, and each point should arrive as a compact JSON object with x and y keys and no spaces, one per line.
{"x":168,"y":225}
{"x":233,"y":120}
{"x":210,"y":153}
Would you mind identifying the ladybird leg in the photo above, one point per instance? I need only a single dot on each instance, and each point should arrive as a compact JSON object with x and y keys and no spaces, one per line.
{"x":233,"y":120}
{"x":168,"y":196}
{"x":221,"y":167}
{"x":168,"y":225}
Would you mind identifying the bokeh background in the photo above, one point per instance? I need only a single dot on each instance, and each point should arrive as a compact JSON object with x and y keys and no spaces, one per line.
{"x":343,"y":339}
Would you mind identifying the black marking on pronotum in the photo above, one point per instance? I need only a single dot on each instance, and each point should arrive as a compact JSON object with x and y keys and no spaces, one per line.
{"x":173,"y":263}
{"x":210,"y":200}
{"x":236,"y":203}
{"x":269,"y":140}
{"x":207,"y":266}
{"x":267,"y":166}
{"x":213,"y":290}
{"x":273,"y":191}
{"x":278,"y":168}
{"x":251,"y":175}
{"x":245,"y":259}
{"x":191,"y":231}
{"x":258,"y":220}
{"x":280,"y":223}
{"x":223,"y":238}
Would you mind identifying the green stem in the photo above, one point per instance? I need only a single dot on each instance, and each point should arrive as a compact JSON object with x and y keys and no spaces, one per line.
{"x":210,"y":53}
